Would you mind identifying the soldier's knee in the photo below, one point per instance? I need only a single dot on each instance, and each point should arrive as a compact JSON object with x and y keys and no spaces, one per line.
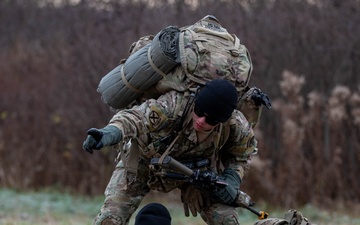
{"x":220,"y":215}
{"x":223,"y":219}
{"x":228,"y":220}
{"x":117,"y":210}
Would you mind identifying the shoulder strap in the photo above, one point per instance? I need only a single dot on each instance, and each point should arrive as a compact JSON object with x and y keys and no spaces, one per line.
{"x":181,"y":123}
{"x":222,"y":139}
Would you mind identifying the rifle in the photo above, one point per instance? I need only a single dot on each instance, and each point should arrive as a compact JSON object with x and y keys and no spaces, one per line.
{"x":208,"y":181}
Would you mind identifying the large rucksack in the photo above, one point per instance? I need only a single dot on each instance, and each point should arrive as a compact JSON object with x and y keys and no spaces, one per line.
{"x":202,"y":52}
{"x":180,"y":59}
{"x":208,"y":52}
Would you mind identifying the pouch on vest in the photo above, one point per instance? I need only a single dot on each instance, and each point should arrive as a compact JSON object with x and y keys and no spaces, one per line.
{"x":209,"y":52}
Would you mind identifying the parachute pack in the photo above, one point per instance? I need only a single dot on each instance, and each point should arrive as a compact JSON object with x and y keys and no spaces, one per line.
{"x":180,"y":59}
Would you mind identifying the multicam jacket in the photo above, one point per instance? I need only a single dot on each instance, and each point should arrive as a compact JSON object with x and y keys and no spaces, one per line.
{"x":231,"y":144}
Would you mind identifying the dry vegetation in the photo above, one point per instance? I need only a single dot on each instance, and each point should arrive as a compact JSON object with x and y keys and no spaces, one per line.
{"x":306,"y":58}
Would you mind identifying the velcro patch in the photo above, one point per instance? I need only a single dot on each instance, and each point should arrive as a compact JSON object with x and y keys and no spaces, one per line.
{"x":156,"y":118}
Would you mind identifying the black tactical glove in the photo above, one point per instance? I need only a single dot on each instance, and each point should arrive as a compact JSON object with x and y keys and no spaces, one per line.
{"x":260,"y":98}
{"x":98,"y":138}
{"x":228,"y":194}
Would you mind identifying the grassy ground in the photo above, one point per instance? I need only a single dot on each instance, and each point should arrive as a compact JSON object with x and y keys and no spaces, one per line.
{"x":55,"y":208}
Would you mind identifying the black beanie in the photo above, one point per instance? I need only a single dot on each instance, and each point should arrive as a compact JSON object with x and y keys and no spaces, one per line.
{"x":217,"y":99}
{"x":153,"y":214}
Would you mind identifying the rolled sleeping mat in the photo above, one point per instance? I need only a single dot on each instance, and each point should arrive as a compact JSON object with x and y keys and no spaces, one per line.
{"x":143,"y":69}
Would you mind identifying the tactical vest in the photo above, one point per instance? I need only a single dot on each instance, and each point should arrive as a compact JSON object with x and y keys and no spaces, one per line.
{"x":130,"y":153}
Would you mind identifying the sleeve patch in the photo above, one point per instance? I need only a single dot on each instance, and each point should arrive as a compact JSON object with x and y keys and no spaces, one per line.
{"x":156,"y":118}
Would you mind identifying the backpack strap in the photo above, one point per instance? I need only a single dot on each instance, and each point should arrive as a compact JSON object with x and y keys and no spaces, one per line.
{"x":168,"y":149}
{"x":216,"y":160}
{"x":181,"y":123}
{"x":152,"y":64}
{"x":126,"y":82}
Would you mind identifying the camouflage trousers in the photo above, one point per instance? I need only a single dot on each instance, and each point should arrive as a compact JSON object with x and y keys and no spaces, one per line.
{"x":219,"y":214}
{"x":123,"y":196}
{"x":125,"y":192}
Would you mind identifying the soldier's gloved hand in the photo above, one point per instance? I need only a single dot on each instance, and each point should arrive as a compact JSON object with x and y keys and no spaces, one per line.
{"x":193,"y":199}
{"x":228,"y":194}
{"x":98,"y":138}
{"x":260,"y":98}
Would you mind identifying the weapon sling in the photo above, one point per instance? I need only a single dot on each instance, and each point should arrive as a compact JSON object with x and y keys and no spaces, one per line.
{"x":179,"y":126}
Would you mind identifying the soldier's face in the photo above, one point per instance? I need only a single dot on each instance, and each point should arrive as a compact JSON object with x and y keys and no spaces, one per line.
{"x":200,"y":124}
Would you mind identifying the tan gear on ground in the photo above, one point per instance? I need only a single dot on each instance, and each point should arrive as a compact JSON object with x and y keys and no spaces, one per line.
{"x":193,"y":199}
{"x":292,"y":217}
{"x":296,"y":218}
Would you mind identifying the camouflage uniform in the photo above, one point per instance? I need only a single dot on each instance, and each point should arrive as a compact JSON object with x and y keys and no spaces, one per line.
{"x":142,"y":126}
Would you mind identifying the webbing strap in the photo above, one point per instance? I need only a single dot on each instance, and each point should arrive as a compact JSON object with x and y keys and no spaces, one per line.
{"x":127,"y":82}
{"x":224,"y":35}
{"x":216,"y":162}
{"x":168,"y":149}
{"x":184,"y":125}
{"x":153,"y":65}
{"x":151,"y":153}
{"x":196,"y":38}
{"x":218,"y":136}
{"x":237,"y":43}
